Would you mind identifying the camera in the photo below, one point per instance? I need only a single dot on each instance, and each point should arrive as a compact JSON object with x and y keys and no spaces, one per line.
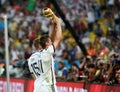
{"x":101,"y":64}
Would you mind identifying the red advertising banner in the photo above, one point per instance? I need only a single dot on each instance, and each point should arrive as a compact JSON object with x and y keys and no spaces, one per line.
{"x":103,"y":88}
{"x":22,"y":85}
{"x":70,"y":87}
{"x":30,"y":86}
{"x":16,"y":85}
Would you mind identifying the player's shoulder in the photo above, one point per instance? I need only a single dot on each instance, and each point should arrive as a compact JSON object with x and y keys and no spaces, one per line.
{"x":50,"y":49}
{"x":34,"y":56}
{"x":37,"y":53}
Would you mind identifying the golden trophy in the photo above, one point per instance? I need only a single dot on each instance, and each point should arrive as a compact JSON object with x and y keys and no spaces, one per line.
{"x":47,"y":12}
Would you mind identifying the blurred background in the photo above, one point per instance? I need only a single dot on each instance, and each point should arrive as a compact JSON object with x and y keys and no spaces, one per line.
{"x":90,"y":48}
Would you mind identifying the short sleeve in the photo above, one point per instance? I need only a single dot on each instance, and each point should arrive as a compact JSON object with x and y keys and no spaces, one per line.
{"x":64,"y":73}
{"x":29,"y":66}
{"x":51,"y":49}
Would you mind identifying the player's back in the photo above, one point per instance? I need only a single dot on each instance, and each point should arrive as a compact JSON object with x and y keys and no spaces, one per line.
{"x":40,"y":64}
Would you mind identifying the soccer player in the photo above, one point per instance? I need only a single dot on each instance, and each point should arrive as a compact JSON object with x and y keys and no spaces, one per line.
{"x":41,"y":63}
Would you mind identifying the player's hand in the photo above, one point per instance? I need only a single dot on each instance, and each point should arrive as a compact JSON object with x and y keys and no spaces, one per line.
{"x":56,"y":20}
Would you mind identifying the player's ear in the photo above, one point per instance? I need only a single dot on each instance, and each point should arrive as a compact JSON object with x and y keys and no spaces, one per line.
{"x":39,"y":46}
{"x":47,"y":43}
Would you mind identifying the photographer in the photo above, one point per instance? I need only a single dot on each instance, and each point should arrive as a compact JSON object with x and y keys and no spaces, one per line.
{"x":95,"y":73}
{"x":73,"y":73}
{"x":114,"y":67}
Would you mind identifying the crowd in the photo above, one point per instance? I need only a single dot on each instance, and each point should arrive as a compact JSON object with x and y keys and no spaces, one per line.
{"x":95,"y":22}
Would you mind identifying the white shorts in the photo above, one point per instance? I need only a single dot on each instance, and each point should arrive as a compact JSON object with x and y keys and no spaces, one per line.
{"x":45,"y":88}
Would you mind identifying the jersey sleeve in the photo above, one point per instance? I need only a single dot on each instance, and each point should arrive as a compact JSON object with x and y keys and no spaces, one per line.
{"x":30,"y":68}
{"x":51,"y":49}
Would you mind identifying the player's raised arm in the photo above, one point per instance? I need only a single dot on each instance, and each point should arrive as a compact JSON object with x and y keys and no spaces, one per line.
{"x":52,"y":31}
{"x":58,"y":29}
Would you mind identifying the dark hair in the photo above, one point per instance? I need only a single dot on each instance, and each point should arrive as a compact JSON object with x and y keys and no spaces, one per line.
{"x":43,"y":41}
{"x":60,"y":62}
{"x":91,"y":66}
{"x":36,"y":42}
{"x":75,"y":65}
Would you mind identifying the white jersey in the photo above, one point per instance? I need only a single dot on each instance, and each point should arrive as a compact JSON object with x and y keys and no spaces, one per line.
{"x":42,"y":66}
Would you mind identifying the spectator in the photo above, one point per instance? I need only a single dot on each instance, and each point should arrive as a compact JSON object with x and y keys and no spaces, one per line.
{"x":62,"y":73}
{"x":105,"y":72}
{"x":73,"y":73}
{"x":100,"y":34}
{"x":117,"y":75}
{"x":98,"y":30}
{"x":94,"y":74}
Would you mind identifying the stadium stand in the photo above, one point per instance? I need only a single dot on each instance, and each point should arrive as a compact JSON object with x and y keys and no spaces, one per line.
{"x":96,"y":22}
